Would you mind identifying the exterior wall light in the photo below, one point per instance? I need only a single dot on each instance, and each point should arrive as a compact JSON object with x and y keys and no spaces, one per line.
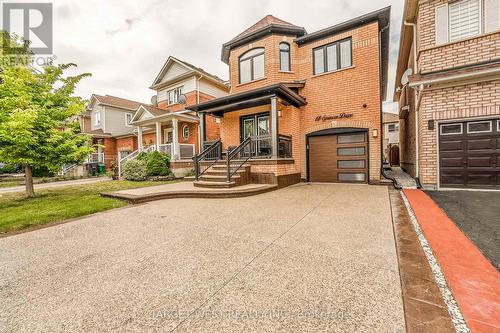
{"x":375,"y":133}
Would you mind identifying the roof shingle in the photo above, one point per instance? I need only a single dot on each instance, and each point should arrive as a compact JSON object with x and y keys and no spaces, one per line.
{"x":118,"y":102}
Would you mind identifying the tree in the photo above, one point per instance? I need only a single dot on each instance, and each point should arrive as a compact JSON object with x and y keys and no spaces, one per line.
{"x":35,"y":112}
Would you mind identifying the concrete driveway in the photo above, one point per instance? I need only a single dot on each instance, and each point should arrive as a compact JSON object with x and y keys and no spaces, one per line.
{"x":305,"y":258}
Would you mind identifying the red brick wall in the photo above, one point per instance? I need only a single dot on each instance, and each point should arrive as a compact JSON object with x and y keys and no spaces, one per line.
{"x":110,"y":153}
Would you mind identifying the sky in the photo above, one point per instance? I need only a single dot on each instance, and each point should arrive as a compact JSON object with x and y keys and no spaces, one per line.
{"x":125,"y":43}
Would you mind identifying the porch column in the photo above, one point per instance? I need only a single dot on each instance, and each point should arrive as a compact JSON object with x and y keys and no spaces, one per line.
{"x":202,"y":135}
{"x":139,"y":137}
{"x":274,"y":127}
{"x":158,"y":135}
{"x":175,"y":138}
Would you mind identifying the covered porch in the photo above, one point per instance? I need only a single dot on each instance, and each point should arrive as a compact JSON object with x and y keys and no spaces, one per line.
{"x":172,"y":133}
{"x":259,"y":137}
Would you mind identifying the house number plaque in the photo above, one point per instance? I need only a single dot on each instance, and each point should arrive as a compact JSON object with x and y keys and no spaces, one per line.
{"x":330,"y":117}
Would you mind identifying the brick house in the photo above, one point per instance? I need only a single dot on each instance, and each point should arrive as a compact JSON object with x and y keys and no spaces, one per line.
{"x":107,"y":120}
{"x":167,"y":125}
{"x":448,"y":74}
{"x":304,"y":105}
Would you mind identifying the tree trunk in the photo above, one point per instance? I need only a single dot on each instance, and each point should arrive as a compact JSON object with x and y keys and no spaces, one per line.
{"x":28,"y":176}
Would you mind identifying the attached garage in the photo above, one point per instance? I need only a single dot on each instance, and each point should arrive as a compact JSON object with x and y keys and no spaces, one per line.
{"x":469,"y":154}
{"x":338,"y":155}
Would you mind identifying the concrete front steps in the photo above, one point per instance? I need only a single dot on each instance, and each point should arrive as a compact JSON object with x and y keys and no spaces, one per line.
{"x":216,"y":177}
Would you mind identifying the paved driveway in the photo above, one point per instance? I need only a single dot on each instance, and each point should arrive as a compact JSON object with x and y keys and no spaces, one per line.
{"x":304,"y":258}
{"x":476,"y":214}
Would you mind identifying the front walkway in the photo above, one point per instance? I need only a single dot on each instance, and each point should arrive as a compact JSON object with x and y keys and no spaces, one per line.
{"x":305,"y":258}
{"x":402,"y":178}
{"x":62,"y":183}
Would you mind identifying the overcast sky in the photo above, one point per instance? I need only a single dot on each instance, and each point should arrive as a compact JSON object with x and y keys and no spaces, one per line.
{"x":125,"y":43}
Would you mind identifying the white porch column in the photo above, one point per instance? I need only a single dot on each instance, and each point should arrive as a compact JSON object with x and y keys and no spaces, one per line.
{"x":139,"y":137}
{"x":175,"y":138}
{"x":274,"y":127}
{"x":202,"y":131}
{"x":158,"y":135}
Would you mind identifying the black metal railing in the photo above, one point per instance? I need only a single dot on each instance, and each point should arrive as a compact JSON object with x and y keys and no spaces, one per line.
{"x":238,"y":156}
{"x":284,"y":146}
{"x":208,"y":157}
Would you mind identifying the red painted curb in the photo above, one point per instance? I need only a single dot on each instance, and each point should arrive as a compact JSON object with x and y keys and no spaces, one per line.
{"x":473,"y":280}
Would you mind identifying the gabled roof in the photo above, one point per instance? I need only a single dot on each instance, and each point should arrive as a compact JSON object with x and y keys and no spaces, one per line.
{"x":149,"y":109}
{"x":268,"y":25}
{"x":114,"y":101}
{"x":191,"y":69}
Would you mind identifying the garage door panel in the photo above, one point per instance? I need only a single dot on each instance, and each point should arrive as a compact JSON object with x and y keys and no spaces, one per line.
{"x":338,"y":158}
{"x":452,"y":161}
{"x":481,"y":178}
{"x":452,"y":145}
{"x":453,"y":178}
{"x":481,"y":144}
{"x":480,"y":161}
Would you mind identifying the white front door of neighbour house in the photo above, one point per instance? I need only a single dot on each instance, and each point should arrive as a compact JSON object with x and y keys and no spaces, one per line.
{"x":168,"y":136}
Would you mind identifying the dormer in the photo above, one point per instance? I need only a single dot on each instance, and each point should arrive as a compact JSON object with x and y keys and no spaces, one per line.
{"x":263,"y":54}
{"x":178,"y":77}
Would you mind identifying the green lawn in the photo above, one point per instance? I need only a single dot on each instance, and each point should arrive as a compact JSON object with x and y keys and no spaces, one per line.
{"x":57,"y":204}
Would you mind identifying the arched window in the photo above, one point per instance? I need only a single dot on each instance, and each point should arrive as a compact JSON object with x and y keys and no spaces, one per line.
{"x":285,"y":57}
{"x":185,"y":132}
{"x":252,"y":65}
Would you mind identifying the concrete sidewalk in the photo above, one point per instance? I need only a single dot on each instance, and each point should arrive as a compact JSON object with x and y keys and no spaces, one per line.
{"x":304,"y":258}
{"x":63,"y":183}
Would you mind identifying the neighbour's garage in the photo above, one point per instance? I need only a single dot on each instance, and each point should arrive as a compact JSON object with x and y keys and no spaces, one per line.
{"x":469,"y":154}
{"x":338,"y":155}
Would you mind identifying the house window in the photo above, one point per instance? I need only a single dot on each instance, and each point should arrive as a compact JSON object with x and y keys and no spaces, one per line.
{"x":252,"y":65}
{"x":466,"y":18}
{"x":185,"y":132}
{"x":173,"y":95}
{"x":285,"y":57}
{"x":393,"y":127}
{"x":128,"y":119}
{"x":333,"y":56}
{"x":97,"y":118}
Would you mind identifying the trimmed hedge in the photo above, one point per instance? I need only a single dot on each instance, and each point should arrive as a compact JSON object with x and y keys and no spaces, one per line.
{"x":135,"y":170}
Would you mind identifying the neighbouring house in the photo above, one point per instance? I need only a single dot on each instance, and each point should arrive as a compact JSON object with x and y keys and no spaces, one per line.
{"x":448,"y":84}
{"x":301,"y":105}
{"x":167,"y":124}
{"x":107,"y":120}
{"x":390,"y":137}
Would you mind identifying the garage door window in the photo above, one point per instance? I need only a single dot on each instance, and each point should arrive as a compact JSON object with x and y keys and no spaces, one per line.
{"x":451,"y":129}
{"x":351,"y":177}
{"x":359,"y":164}
{"x":351,"y":138}
{"x":354,"y":151}
{"x":479,"y":127}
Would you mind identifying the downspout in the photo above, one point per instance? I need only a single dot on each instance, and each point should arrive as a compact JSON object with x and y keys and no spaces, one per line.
{"x":417,"y":95}
{"x":200,"y":134}
{"x":382,"y":171}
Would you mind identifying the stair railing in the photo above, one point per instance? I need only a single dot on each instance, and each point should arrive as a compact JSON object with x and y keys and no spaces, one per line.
{"x":237,"y":157}
{"x":208,"y":157}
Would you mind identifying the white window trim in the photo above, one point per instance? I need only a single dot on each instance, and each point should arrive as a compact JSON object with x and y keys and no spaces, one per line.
{"x":481,"y":22}
{"x":453,"y":124}
{"x":175,"y":100}
{"x":127,"y":123}
{"x":98,"y":118}
{"x":479,"y":122}
{"x":183,"y":128}
{"x":498,"y":125}
{"x":165,"y":133}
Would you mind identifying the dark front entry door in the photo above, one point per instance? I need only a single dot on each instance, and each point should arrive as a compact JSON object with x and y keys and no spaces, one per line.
{"x":338,"y":158}
{"x":469,"y":154}
{"x":257,"y":127}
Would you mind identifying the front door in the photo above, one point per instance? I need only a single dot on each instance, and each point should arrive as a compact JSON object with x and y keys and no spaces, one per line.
{"x":168,"y":135}
{"x":257,"y":127}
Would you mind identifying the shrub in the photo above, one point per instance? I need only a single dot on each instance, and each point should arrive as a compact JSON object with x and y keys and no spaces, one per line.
{"x":157,"y":164}
{"x":135,"y":170}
